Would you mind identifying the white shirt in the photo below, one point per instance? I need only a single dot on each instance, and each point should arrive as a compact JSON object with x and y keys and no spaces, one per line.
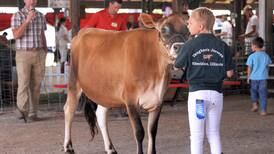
{"x":253,"y":21}
{"x":227,"y":28}
{"x":62,"y":37}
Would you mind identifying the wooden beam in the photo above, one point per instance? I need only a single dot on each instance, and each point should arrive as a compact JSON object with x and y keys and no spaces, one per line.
{"x":75,"y":16}
{"x":43,"y":3}
{"x":14,"y":3}
{"x":218,"y":6}
{"x":86,"y":3}
{"x":210,"y":1}
{"x":8,"y":3}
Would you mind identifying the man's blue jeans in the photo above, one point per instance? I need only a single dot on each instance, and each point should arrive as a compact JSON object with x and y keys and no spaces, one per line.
{"x":258,"y":92}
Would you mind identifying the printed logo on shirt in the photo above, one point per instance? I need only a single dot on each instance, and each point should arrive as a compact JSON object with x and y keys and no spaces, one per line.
{"x":207,"y":51}
{"x":207,"y":57}
{"x":114,"y":24}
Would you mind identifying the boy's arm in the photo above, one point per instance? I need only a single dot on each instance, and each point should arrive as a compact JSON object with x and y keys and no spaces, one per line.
{"x":229,"y":63}
{"x":182,"y":59}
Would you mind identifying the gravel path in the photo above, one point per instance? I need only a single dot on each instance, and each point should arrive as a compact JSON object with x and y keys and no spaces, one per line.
{"x":243,"y":132}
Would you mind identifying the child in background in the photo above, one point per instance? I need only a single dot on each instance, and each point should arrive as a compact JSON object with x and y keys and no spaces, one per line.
{"x":257,"y":73}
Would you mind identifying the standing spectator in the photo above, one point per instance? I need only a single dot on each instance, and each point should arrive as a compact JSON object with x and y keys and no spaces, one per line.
{"x":207,"y":61}
{"x":226,"y":31}
{"x":63,"y":40}
{"x":252,"y":27}
{"x":28,"y":26}
{"x":109,"y":18}
{"x":257,"y":73}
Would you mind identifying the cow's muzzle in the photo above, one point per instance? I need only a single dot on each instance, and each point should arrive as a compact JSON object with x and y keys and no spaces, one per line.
{"x":175,"y":49}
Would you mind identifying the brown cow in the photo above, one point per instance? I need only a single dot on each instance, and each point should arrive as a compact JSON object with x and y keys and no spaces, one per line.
{"x":128,"y":69}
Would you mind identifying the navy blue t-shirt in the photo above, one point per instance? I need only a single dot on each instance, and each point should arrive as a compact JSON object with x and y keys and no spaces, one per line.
{"x":206,"y":60}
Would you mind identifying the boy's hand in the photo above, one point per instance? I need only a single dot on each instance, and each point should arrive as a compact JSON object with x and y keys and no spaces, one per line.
{"x":247,"y":80}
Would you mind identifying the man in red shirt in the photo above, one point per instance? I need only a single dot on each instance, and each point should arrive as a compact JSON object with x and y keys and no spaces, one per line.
{"x":109,"y":18}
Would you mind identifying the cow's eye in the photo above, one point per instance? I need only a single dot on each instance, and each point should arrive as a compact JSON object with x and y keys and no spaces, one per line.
{"x":165,"y":30}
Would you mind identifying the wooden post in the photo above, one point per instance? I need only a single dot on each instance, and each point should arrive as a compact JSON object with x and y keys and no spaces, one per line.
{"x":180,"y":6}
{"x":238,"y":5}
{"x":149,"y":6}
{"x":265,"y":20}
{"x":75,"y":16}
{"x":143,"y":6}
{"x":239,"y":26}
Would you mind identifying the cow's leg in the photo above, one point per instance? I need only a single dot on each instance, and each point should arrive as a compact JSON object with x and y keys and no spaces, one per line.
{"x":69,"y":110}
{"x":102,"y":114}
{"x":137,"y":127}
{"x":153,"y":119}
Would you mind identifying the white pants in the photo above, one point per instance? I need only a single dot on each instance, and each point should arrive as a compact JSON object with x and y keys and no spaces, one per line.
{"x":213,"y":103}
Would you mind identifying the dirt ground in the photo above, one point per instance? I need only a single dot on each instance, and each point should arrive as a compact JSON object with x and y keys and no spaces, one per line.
{"x":243,"y":132}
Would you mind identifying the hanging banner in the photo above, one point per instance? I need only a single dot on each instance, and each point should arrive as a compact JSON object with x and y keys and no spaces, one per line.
{"x":58,"y":3}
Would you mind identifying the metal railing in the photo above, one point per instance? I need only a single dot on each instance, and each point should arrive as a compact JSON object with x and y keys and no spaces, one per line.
{"x":8,"y":81}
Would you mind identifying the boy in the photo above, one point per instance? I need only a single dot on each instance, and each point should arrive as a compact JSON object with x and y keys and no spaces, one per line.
{"x":207,"y":61}
{"x":257,"y":72}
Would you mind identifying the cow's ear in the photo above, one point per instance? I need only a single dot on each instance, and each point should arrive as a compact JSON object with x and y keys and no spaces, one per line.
{"x":147,"y":20}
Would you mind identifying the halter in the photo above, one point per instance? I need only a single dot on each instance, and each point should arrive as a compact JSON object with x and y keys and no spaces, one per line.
{"x":168,"y":47}
{"x":167,"y":42}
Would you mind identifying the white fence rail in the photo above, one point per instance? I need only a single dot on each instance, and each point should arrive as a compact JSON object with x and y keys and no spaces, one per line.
{"x":53,"y":77}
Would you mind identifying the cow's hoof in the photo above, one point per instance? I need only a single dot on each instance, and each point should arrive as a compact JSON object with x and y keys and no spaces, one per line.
{"x":68,"y":148}
{"x":110,"y":152}
{"x":70,"y":151}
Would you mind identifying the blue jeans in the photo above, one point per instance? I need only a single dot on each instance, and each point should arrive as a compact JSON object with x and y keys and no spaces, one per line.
{"x":258,"y":91}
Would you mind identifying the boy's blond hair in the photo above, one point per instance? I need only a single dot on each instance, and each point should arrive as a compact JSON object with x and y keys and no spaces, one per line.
{"x":205,"y":16}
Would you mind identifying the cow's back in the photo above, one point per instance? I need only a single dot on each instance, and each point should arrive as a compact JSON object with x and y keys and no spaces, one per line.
{"x":114,"y":66}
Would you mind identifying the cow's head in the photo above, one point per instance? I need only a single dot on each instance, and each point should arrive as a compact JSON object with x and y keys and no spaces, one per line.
{"x":172,"y":29}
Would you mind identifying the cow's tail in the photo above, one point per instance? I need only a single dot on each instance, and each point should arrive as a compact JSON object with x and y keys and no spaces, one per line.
{"x":90,"y":108}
